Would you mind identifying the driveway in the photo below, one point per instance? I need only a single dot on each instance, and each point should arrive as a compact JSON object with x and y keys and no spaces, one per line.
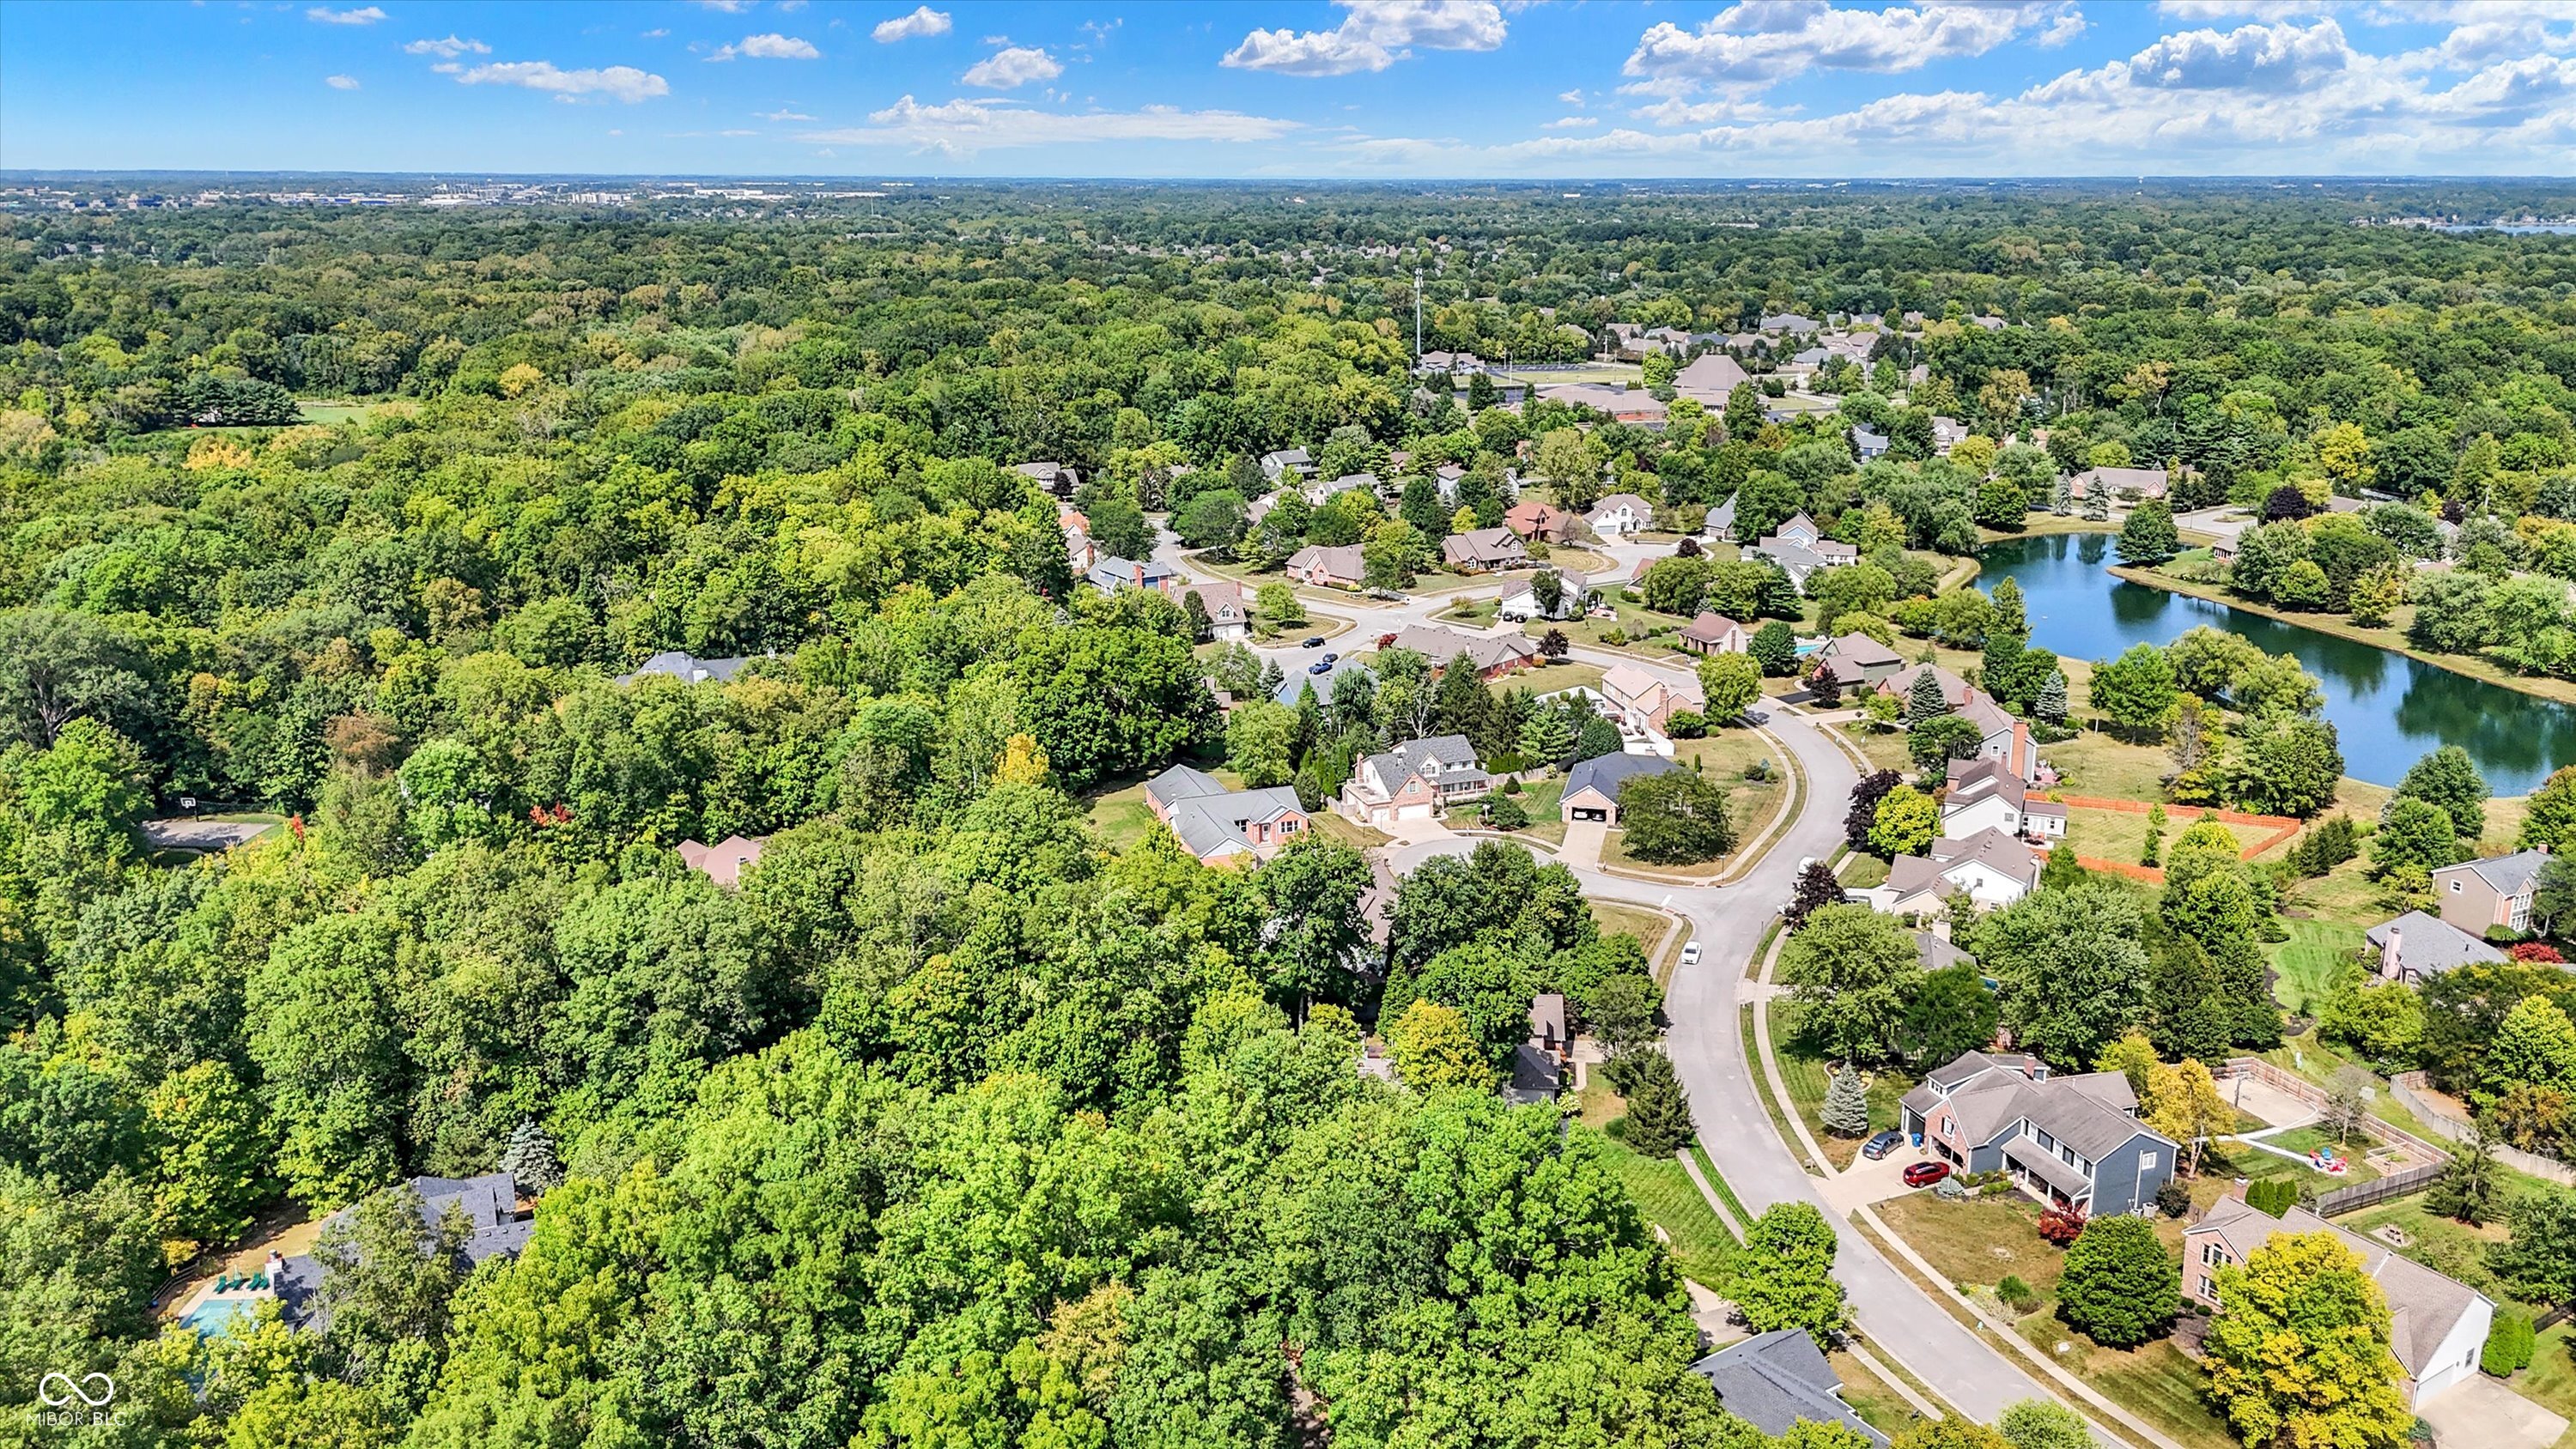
{"x":1583,"y":842}
{"x":1867,"y":1182}
{"x":2481,"y":1413}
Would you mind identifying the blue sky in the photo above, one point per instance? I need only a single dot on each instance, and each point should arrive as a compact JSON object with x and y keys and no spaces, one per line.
{"x":1282,"y":88}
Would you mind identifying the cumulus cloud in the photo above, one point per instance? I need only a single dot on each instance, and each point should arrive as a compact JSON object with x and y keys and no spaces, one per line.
{"x":921,"y":22}
{"x":1375,"y":35}
{"x":448,"y":49}
{"x":618,"y":82}
{"x":772,"y":46}
{"x":1016,"y":66}
{"x":341,"y":82}
{"x":367,"y":15}
{"x":2265,"y":58}
{"x":1753,"y":44}
{"x":963,"y":127}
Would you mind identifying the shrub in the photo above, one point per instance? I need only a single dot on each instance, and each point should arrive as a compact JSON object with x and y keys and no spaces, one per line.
{"x":1505,"y":813}
{"x":2061,"y":1226}
{"x":2273,"y":1195}
{"x":2016,"y":1294}
{"x":2120,"y":1286}
{"x":1686,"y":724}
{"x":2173,"y":1199}
{"x":2509,"y":1345}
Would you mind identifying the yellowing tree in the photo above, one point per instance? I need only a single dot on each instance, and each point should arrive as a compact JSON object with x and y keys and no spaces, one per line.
{"x":2343,"y":450}
{"x":518,"y":377}
{"x":2184,"y":1103}
{"x":2298,"y":1356}
{"x":214,"y":450}
{"x":1434,"y":1047}
{"x":1023,"y":762}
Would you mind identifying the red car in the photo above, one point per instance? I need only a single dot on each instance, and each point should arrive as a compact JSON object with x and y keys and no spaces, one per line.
{"x":1924,"y":1174}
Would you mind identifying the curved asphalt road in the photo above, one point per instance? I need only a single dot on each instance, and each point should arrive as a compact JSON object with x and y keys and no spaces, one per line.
{"x":1706,"y":1045}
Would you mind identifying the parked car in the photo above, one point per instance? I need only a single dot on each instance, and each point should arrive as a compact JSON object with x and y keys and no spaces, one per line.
{"x":1331,"y":658}
{"x":1320,"y":666}
{"x":1690,"y":954}
{"x":1316,"y":642}
{"x":1882,"y":1144}
{"x":1924,"y":1174}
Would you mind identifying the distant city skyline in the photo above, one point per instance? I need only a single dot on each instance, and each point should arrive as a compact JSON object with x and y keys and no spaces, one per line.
{"x":1363,"y":89}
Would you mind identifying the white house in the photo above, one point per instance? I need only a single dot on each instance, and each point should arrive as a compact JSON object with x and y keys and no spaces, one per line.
{"x":1990,"y":868}
{"x":1416,"y":780}
{"x":1985,"y":795}
{"x":1521,"y":600}
{"x":1229,"y":612}
{"x":1619,"y":515}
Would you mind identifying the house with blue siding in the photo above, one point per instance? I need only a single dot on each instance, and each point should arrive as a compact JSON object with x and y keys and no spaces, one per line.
{"x":2072,"y":1142}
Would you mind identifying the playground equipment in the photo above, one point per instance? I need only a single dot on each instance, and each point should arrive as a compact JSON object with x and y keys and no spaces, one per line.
{"x":2326,"y":1162}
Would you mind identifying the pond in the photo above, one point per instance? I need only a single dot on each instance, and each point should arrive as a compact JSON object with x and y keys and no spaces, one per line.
{"x":2387,"y":709}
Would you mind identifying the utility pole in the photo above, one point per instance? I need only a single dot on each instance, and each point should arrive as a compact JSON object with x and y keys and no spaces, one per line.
{"x":1417,"y":314}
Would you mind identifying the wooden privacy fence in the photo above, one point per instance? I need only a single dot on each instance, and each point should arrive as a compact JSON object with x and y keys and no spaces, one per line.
{"x":2415,"y":1094}
{"x":2363,"y":1194}
{"x":2360,"y":1194}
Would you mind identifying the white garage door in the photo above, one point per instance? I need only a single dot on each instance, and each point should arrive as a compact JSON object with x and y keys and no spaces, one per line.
{"x":1414,"y":812}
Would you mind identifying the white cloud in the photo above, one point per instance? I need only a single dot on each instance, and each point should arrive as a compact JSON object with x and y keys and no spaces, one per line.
{"x":729,"y":7}
{"x":448,"y":49}
{"x":341,"y":82}
{"x":368,"y":15}
{"x":1571,"y":123}
{"x":1571,"y":98}
{"x":1757,"y":43}
{"x":737,"y":133}
{"x":1372,"y":37}
{"x":772,"y":46}
{"x":921,"y":22}
{"x":963,"y":127}
{"x":782,"y":115}
{"x":1017,"y":66}
{"x":2275,"y":59}
{"x":620,"y":82}
{"x":657,"y":32}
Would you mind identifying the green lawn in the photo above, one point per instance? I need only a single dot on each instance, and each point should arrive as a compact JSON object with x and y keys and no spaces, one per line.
{"x":2309,"y":961}
{"x":1664,"y":1193}
{"x":1121,"y":816}
{"x":1717,"y":1181}
{"x":2435,"y":1241}
{"x":1617,"y":919}
{"x":1549,"y":678}
{"x":332,"y":414}
{"x":2254,"y":1162}
{"x":1863,"y":872}
{"x":1978,"y":1243}
{"x":2551,"y":1380}
{"x":1805,"y":1075}
{"x":1879,"y":1406}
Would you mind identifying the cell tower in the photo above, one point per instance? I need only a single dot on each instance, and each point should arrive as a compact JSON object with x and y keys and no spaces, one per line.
{"x":1417,"y":314}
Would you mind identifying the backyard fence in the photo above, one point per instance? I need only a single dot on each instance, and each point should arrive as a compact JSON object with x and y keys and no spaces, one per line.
{"x":2415,"y":1094}
{"x":2363,"y":1194}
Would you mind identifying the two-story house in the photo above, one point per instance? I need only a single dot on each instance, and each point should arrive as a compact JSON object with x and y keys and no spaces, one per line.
{"x":2072,"y":1142}
{"x":1620,"y":515}
{"x":1990,"y":868}
{"x":2437,"y":1324}
{"x":1113,"y":573}
{"x":1985,"y":794}
{"x":1416,"y":780}
{"x":1648,"y":701}
{"x":1222,"y":826}
{"x":2476,"y":894}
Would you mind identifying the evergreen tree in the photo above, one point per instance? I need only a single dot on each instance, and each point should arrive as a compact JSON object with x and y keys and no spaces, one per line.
{"x":1659,"y":1115}
{"x":1926,"y":700}
{"x":2050,"y":705}
{"x":529,"y":1157}
{"x":1463,"y":703}
{"x":2465,"y":1192}
{"x":1846,"y":1109}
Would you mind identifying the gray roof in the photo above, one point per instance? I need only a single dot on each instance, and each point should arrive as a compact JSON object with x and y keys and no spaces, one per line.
{"x":494,"y":1229}
{"x":1208,"y":824}
{"x":2429,"y":945}
{"x":1936,"y":954}
{"x":1861,"y":650}
{"x":1113,"y":573}
{"x":1454,"y":756}
{"x":1485,"y":651}
{"x":2510,"y":874}
{"x":1606,"y":773}
{"x":1484,"y":545}
{"x":2088,"y":1112}
{"x":1536,"y":1076}
{"x":1340,"y":560}
{"x":1772,"y":1380}
{"x":2423,"y":1306}
{"x":1722,"y":517}
{"x":1180,"y":783}
{"x":687,"y":668}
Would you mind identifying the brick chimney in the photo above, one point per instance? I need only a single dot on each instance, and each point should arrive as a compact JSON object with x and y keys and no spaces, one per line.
{"x":2021,"y":749}
{"x":2389,"y":968}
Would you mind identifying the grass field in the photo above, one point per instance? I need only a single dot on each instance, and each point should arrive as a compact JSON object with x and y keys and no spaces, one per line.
{"x":2119,"y":835}
{"x":1864,"y":871}
{"x":1665,"y":1195}
{"x":1980,"y":1242}
{"x":332,"y":414}
{"x":1549,"y":678}
{"x":2309,"y":961}
{"x":1879,"y":1406}
{"x":1616,"y":919}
